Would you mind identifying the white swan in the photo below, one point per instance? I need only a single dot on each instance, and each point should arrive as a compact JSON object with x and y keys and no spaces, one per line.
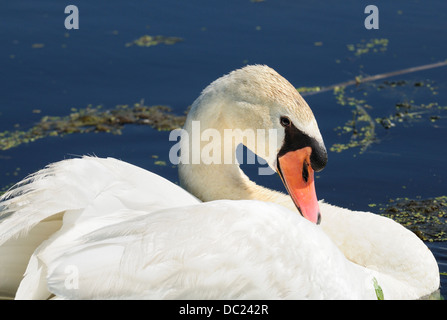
{"x":101,"y":228}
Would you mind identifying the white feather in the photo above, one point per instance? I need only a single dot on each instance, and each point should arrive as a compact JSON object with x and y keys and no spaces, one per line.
{"x":90,"y":188}
{"x":216,"y":250}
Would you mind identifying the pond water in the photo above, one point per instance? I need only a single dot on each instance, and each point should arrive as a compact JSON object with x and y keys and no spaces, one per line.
{"x":398,"y":151}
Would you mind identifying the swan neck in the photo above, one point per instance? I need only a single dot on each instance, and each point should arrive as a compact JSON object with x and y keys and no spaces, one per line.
{"x":208,"y":167}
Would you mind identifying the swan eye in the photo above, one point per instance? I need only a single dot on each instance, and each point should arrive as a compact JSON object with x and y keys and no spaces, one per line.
{"x":285,"y":122}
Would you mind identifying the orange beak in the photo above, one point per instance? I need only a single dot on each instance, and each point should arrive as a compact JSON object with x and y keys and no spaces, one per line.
{"x":298,"y":177}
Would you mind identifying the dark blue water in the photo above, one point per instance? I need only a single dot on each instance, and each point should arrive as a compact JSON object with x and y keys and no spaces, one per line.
{"x":46,"y":67}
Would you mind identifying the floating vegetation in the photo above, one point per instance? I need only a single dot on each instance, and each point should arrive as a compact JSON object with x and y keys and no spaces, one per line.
{"x":364,"y":128}
{"x":360,"y":80}
{"x":372,"y":45}
{"x":407,"y":112}
{"x":427,"y":218}
{"x":361,"y":127}
{"x":37,"y":45}
{"x":15,"y":173}
{"x":148,"y":41}
{"x":95,"y":119}
{"x":302,"y":90}
{"x":426,"y":84}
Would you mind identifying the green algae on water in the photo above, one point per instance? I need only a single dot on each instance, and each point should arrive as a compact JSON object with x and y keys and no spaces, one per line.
{"x":361,"y":127}
{"x":427,"y":218}
{"x":149,"y":41}
{"x":302,"y":90}
{"x":95,"y":119}
{"x":409,"y":112}
{"x":374,"y":45}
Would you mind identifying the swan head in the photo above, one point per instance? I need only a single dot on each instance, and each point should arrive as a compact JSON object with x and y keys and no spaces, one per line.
{"x":257,"y":98}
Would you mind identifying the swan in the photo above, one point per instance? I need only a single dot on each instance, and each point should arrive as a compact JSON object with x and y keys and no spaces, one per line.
{"x":101,"y":228}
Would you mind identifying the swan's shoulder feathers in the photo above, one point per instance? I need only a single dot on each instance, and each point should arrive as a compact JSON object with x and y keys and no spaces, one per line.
{"x":216,"y":250}
{"x":75,"y":183}
{"x":88,"y":187}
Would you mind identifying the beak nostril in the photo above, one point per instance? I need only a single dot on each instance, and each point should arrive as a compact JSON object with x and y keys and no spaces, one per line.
{"x":305,"y":171}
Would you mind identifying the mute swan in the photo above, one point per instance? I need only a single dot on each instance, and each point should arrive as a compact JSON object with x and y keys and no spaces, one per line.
{"x":102,"y":228}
